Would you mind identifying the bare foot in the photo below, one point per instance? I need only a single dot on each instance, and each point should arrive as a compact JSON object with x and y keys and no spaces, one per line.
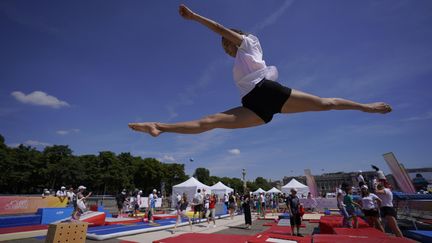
{"x":147,"y":127}
{"x":378,"y":107}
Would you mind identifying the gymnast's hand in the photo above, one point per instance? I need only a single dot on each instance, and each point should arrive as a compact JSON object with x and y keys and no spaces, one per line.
{"x":185,"y":12}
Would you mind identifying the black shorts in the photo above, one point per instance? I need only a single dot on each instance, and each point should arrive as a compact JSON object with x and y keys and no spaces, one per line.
{"x":198,"y":208}
{"x":266,"y":99}
{"x":388,"y":211}
{"x":295,"y":219}
{"x":371,"y":213}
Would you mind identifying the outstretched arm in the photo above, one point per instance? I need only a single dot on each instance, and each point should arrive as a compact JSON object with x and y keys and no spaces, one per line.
{"x":234,"y":37}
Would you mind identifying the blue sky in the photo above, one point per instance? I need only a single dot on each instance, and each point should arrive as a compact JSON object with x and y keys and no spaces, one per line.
{"x":78,"y":72}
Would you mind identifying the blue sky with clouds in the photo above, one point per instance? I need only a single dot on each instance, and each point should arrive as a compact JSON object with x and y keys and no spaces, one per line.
{"x":77,"y":72}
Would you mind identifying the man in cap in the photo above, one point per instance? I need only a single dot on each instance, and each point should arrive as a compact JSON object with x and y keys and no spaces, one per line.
{"x":293,"y":204}
{"x":152,"y":205}
{"x":120,"y":199}
{"x":61,"y":194}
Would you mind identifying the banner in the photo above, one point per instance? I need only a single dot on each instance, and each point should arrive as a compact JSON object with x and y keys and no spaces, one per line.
{"x":399,"y":173}
{"x":28,"y":204}
{"x":310,"y":181}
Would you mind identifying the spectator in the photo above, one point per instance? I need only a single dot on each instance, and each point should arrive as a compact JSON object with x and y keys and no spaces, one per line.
{"x":247,"y":211}
{"x":211,"y":213}
{"x":152,"y":205}
{"x":226,"y":201}
{"x":45,"y":193}
{"x":61,"y":194}
{"x":137,"y":204}
{"x":350,"y":207}
{"x":181,"y":212}
{"x":342,"y":208}
{"x":360,"y":179}
{"x":120,"y":199}
{"x":232,"y":205}
{"x":198,"y":201}
{"x":387,"y":210}
{"x":263,"y":204}
{"x":294,"y":211}
{"x":369,"y":203}
{"x":71,"y":197}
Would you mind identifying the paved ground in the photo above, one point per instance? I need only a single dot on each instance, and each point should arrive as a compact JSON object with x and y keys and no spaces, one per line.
{"x":223,"y":226}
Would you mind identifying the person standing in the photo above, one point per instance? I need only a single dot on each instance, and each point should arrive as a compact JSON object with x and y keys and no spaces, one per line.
{"x":226,"y":201}
{"x":342,"y":208}
{"x":181,"y":212}
{"x":247,"y":211}
{"x":369,"y":204}
{"x":350,"y":207}
{"x":387,"y":210}
{"x":232,"y":205}
{"x":120,"y":200}
{"x":138,"y":203}
{"x":71,"y":197}
{"x":211,"y":213}
{"x":198,"y":201}
{"x":61,"y":194}
{"x":294,"y":211}
{"x":360,"y":179}
{"x":151,"y":205}
{"x":263,"y":204}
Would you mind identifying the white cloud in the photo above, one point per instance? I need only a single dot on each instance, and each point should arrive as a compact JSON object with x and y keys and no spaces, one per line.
{"x":167,"y":158}
{"x":36,"y":143}
{"x":39,"y":98}
{"x":273,"y":17}
{"x":426,"y":116}
{"x":234,"y":151}
{"x":66,"y":132}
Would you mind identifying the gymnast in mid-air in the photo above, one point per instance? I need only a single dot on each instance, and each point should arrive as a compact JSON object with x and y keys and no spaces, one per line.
{"x":261,"y":95}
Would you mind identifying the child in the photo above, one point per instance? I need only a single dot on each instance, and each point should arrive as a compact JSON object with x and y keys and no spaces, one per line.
{"x":262,"y":96}
{"x":350,"y":207}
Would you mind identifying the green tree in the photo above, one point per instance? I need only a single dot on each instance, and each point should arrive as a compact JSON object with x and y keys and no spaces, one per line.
{"x":263,"y":183}
{"x":203,"y":175}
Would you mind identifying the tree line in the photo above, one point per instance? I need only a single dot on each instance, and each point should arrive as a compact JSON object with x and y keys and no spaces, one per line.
{"x":26,"y":170}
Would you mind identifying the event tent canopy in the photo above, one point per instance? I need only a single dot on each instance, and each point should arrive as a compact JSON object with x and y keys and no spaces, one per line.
{"x":274,"y":190}
{"x":189,"y":187}
{"x":294,"y":184}
{"x":220,"y":189}
{"x":259,"y":191}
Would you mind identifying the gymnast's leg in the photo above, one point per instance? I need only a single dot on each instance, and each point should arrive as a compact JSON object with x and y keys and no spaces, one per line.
{"x":303,"y":102}
{"x":238,"y":117}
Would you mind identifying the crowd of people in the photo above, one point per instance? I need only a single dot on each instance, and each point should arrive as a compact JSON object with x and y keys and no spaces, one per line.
{"x":133,"y":202}
{"x":375,"y":204}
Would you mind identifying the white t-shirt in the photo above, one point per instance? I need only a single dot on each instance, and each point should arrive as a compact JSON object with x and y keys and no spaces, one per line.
{"x":198,"y":198}
{"x":249,"y":67}
{"x":263,"y":199}
{"x":369,"y":201}
{"x":61,"y":193}
{"x":70,"y":195}
{"x":138,"y":198}
{"x":387,"y":198}
{"x":360,"y":178}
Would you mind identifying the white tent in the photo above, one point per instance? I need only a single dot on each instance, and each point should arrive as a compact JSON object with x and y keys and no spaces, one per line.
{"x":274,"y":190}
{"x":220,"y":189}
{"x":189,"y":187}
{"x":258,"y":191}
{"x":301,"y":188}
